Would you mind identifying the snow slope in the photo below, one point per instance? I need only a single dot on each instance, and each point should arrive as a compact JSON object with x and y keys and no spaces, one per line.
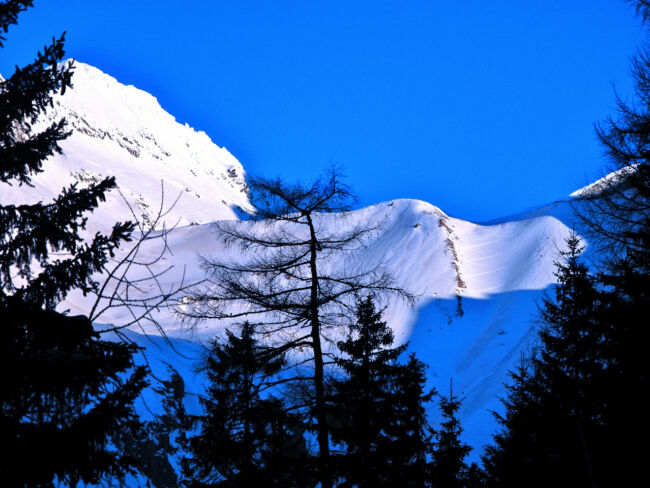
{"x":500,"y":269}
{"x":121,"y":131}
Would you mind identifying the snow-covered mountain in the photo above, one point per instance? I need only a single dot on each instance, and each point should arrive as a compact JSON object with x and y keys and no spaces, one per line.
{"x":122,"y":131}
{"x":500,"y":269}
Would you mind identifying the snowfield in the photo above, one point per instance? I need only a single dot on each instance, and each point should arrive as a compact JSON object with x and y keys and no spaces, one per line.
{"x":123,"y":132}
{"x":499,"y":269}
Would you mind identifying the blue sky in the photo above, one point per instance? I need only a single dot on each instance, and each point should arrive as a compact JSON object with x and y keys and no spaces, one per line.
{"x":481,"y":108}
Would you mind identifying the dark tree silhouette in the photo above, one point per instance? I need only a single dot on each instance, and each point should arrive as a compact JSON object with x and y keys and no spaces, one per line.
{"x":246,"y":438}
{"x":378,"y":406}
{"x":64,"y":393}
{"x":618,"y":220}
{"x":413,"y":431}
{"x":160,"y":443}
{"x":448,"y":468}
{"x":364,"y":401}
{"x":514,"y":452}
{"x":575,"y":411}
{"x":285,"y":280}
{"x":553,"y":425}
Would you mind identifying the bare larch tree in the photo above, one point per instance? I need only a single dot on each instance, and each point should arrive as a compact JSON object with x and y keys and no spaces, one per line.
{"x":294,"y":278}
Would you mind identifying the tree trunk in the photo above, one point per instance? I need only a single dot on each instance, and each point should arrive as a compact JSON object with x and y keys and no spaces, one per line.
{"x":319,"y":382}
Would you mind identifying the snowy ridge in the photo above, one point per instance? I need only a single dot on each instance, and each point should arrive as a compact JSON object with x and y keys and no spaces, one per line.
{"x":608,"y":181}
{"x":499,"y":269}
{"x":500,"y":272}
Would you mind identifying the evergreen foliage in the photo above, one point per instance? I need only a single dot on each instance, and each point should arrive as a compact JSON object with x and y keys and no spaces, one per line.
{"x":618,"y":216}
{"x":172,"y":426}
{"x":553,"y":419}
{"x":571,"y":368}
{"x":379,"y":408}
{"x":64,"y":392}
{"x":413,"y":432}
{"x":574,"y":409}
{"x":246,"y":438}
{"x":159,"y":444}
{"x":514,"y":453}
{"x":448,"y":467}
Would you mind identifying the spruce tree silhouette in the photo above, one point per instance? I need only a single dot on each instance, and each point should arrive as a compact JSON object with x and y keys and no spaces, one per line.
{"x":618,"y":219}
{"x":378,"y":407}
{"x":575,"y":410}
{"x":448,"y":468}
{"x":63,"y":392}
{"x":554,"y":411}
{"x":246,"y":438}
{"x":161,"y":442}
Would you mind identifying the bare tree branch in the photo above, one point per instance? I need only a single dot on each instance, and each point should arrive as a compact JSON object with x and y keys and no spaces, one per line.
{"x":130,"y":278}
{"x":295,"y":274}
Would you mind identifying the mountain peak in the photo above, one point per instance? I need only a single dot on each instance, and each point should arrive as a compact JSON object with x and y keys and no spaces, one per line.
{"x":122,"y":131}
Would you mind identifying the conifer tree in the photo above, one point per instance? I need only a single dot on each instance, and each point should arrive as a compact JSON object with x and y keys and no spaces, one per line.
{"x":573,"y":414}
{"x":553,"y":420}
{"x":246,"y":438}
{"x":64,"y":392}
{"x":448,"y":467}
{"x":378,"y":406}
{"x":172,"y":425}
{"x":160,"y":443}
{"x":595,"y":370}
{"x":618,"y":219}
{"x":412,"y":430}
{"x":570,"y":365}
{"x":514,"y":454}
